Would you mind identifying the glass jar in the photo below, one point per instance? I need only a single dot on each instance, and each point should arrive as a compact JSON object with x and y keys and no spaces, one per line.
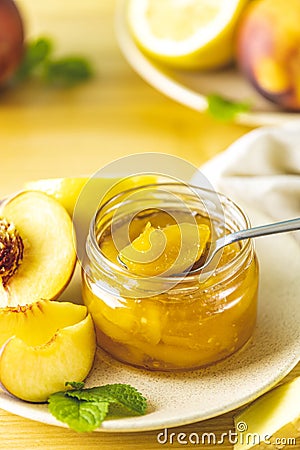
{"x":170,"y":322}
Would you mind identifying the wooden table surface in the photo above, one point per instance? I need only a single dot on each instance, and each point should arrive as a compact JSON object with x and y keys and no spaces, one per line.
{"x":47,"y":132}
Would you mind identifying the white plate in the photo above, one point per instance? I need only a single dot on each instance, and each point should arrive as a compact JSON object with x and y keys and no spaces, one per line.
{"x":191,"y":88}
{"x":187,"y":397}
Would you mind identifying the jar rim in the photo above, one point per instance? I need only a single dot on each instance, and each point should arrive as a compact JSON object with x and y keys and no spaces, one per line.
{"x":101,"y":258}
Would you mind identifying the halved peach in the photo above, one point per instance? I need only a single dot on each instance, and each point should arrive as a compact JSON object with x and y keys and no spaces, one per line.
{"x":37,"y":250}
{"x":33,"y":373}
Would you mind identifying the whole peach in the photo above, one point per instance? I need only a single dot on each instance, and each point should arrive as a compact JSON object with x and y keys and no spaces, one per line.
{"x":11,"y":38}
{"x":268,"y":50}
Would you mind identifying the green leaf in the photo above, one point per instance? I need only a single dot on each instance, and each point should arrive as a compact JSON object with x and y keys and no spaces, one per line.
{"x":75,"y":384}
{"x":223,"y":109}
{"x":85,"y":409}
{"x":36,"y":53}
{"x":126,"y":396}
{"x":81,"y":416}
{"x":67,"y":71}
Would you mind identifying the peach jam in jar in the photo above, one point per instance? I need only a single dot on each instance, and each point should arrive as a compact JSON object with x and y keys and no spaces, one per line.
{"x":149,"y":316}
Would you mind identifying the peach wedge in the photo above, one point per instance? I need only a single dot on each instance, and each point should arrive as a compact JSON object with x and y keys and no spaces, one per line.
{"x":33,"y":373}
{"x":37,"y":250}
{"x":36,"y":323}
{"x":168,"y":250}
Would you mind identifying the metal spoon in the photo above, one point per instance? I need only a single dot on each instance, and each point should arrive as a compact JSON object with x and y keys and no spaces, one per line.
{"x":262,"y":230}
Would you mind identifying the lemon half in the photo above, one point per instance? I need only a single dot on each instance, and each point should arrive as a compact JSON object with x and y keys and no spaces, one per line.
{"x":67,"y":190}
{"x":186,"y":33}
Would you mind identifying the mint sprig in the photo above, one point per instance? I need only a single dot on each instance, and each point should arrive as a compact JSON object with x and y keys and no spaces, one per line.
{"x":84,"y":409}
{"x":224,"y":109}
{"x":38,"y":61}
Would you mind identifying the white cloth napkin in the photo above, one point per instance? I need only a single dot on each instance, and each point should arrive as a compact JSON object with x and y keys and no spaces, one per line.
{"x":261,"y":172}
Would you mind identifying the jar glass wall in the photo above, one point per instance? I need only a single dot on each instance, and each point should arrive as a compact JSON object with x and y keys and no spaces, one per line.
{"x":170,"y":322}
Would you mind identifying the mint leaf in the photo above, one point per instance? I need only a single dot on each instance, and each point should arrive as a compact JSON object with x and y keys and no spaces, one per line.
{"x":67,"y":71}
{"x":124,"y":395}
{"x":81,"y":416}
{"x":75,"y":384}
{"x":223,"y":109}
{"x":85,"y":409}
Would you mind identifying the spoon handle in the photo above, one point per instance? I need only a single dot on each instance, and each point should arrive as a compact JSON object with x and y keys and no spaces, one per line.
{"x":264,"y":230}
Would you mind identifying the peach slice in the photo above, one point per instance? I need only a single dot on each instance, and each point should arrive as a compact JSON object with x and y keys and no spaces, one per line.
{"x":35,"y":324}
{"x":37,"y":251}
{"x":33,"y":373}
{"x":169,"y":250}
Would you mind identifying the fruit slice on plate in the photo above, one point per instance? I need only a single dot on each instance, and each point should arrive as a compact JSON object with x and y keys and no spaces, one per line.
{"x":33,"y":373}
{"x":35,"y":324}
{"x":186,"y":33}
{"x":37,"y":252}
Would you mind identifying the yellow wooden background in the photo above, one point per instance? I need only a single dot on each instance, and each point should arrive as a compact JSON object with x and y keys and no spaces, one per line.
{"x":46,"y":132}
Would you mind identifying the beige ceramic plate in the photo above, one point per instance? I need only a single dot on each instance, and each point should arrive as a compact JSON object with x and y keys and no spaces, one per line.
{"x":178,"y":399}
{"x":191,"y":88}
